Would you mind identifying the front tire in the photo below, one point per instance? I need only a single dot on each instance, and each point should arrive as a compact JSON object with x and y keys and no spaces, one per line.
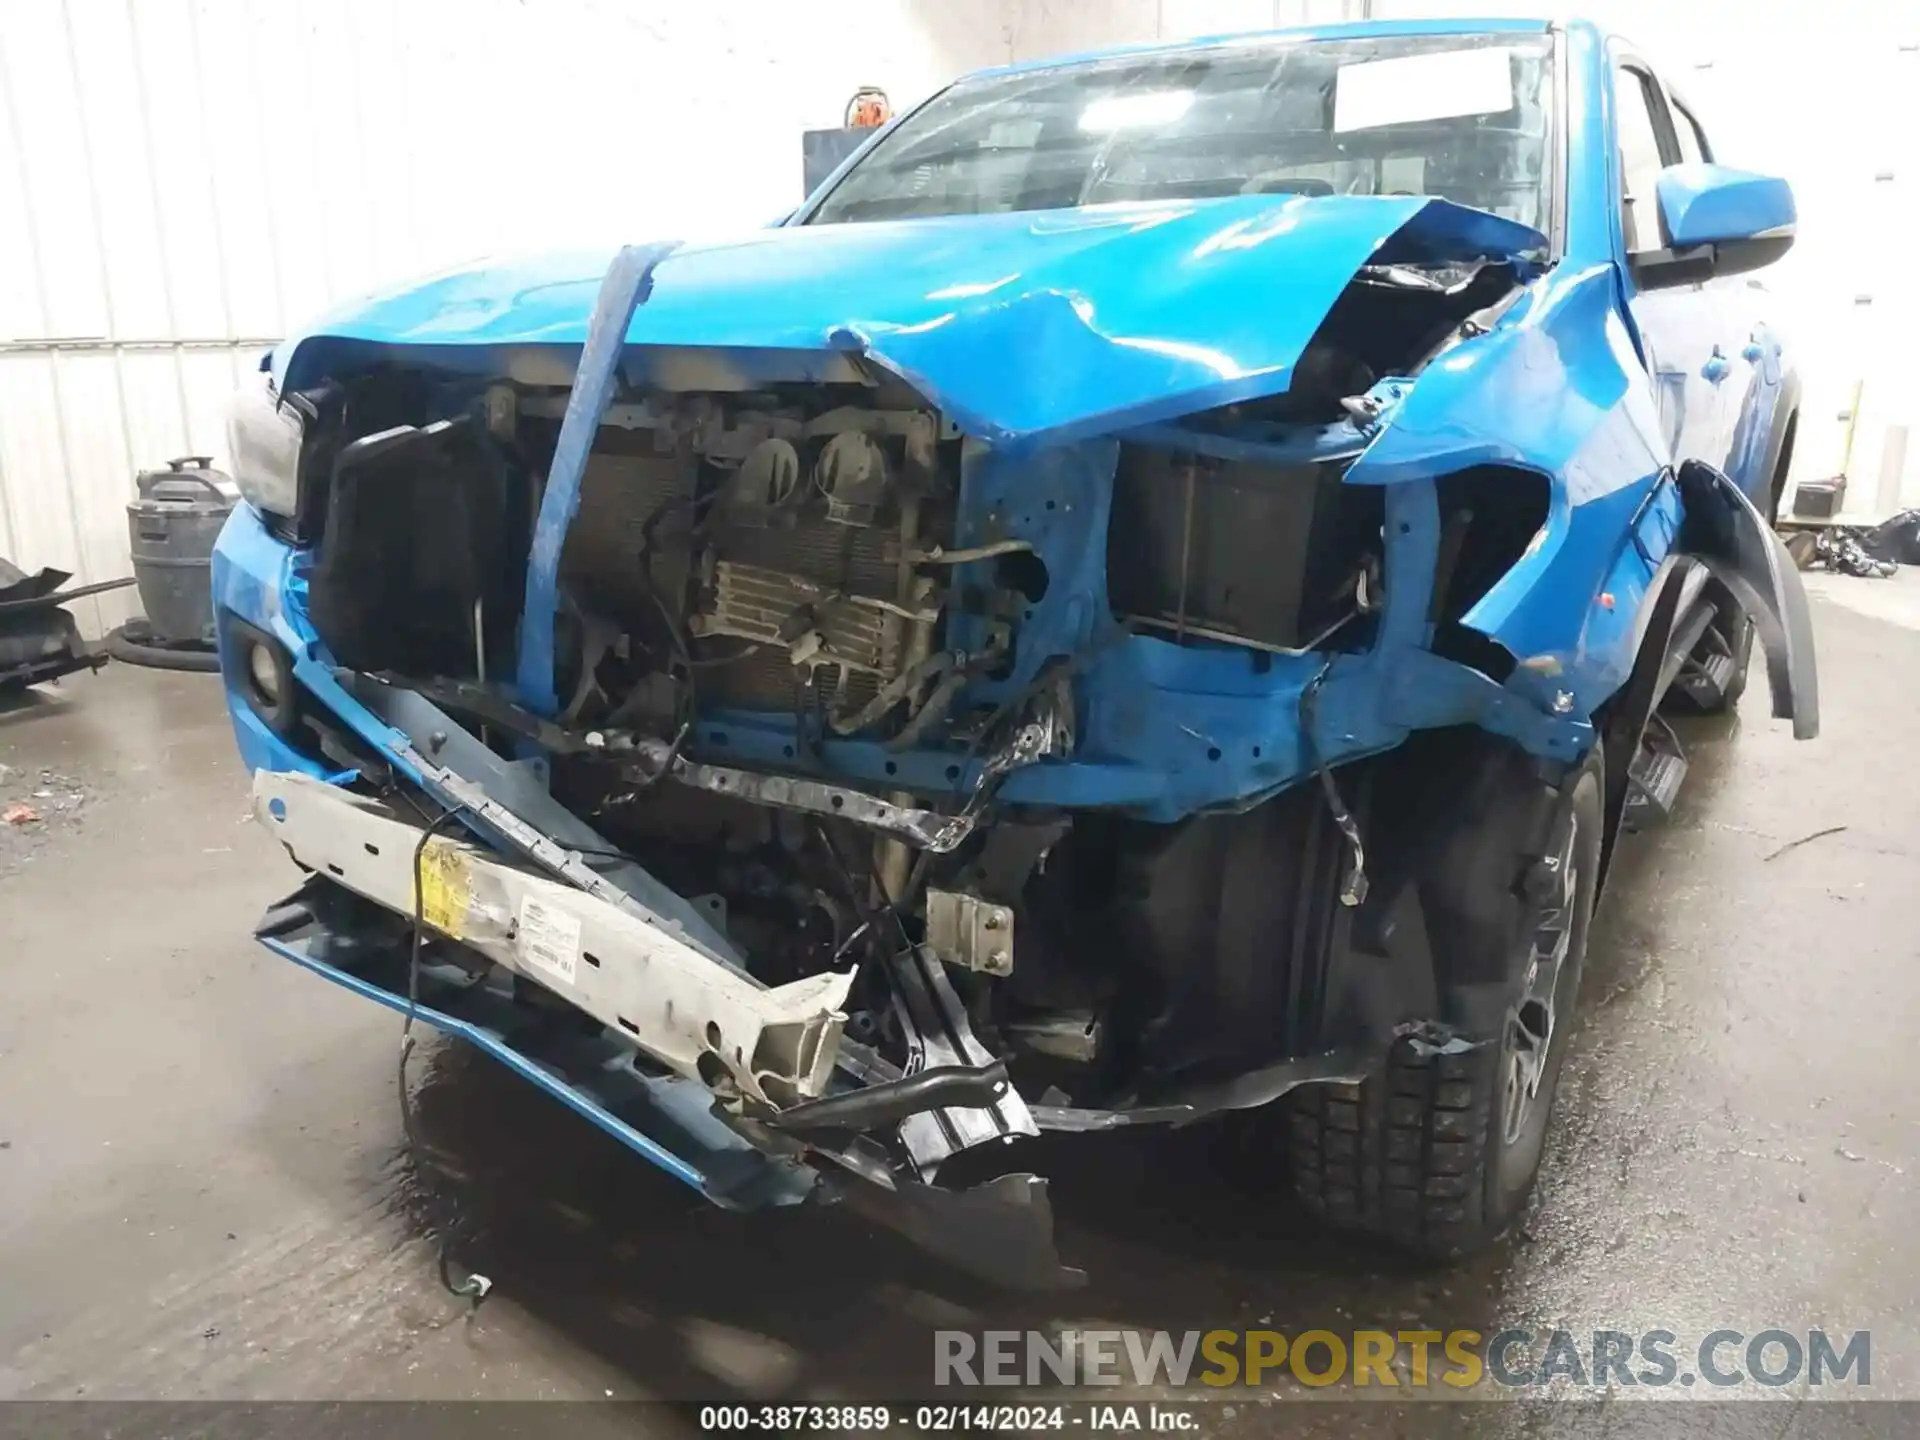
{"x":1437,"y":1153}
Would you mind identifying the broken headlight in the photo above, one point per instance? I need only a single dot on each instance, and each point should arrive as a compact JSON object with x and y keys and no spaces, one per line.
{"x":263,"y":438}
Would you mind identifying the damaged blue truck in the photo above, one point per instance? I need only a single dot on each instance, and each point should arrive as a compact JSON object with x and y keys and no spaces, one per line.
{"x":1150,"y":596}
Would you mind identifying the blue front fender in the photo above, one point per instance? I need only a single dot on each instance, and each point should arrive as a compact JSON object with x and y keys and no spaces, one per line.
{"x":1556,"y":390}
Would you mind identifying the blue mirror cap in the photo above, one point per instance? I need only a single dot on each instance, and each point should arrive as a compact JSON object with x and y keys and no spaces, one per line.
{"x":1703,"y":204}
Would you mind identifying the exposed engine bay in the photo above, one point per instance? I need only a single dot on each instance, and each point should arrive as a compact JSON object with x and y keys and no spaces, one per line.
{"x":809,"y":556}
{"x":967,"y":769}
{"x":800,"y":547}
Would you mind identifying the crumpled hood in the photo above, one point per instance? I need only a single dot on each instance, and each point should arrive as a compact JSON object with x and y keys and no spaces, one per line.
{"x":1023,"y":327}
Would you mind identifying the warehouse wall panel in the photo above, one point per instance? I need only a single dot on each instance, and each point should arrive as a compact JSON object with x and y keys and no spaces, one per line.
{"x":183,"y":181}
{"x":62,"y":228}
{"x":93,"y":447}
{"x":41,"y":495}
{"x":117,"y":156}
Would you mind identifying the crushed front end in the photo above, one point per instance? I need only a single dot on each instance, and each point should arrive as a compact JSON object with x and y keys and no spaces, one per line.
{"x":814,"y":769}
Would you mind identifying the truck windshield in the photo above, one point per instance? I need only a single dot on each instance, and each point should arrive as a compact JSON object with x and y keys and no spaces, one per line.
{"x":1465,"y":116}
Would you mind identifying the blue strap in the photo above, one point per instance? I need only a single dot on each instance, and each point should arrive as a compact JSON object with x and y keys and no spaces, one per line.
{"x":628,"y":282}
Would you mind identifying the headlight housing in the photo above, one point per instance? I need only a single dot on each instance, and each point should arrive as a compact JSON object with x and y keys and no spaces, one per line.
{"x":264,"y":434}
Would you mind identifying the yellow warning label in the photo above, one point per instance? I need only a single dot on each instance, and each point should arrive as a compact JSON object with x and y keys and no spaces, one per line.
{"x":445,"y":887}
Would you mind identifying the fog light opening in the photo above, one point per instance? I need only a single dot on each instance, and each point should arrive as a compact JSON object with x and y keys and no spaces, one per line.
{"x":260,"y":673}
{"x":263,"y":669}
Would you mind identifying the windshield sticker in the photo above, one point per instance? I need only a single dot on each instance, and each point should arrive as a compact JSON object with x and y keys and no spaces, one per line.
{"x":1127,"y":112}
{"x":1410,"y":89}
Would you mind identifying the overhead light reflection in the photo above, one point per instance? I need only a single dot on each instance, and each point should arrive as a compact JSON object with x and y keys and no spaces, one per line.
{"x":972,"y":288}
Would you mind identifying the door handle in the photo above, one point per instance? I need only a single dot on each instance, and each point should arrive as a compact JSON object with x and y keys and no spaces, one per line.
{"x":1716,"y":367}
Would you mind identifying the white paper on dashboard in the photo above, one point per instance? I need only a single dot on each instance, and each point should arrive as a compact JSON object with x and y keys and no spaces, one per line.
{"x":1411,"y":88}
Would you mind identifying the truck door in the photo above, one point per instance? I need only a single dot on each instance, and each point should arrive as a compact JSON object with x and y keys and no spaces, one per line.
{"x":1750,"y":390}
{"x":1681,"y":327}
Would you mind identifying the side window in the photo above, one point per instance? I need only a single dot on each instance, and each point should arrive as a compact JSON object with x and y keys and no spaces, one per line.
{"x":1641,"y":120}
{"x":1686,"y":129}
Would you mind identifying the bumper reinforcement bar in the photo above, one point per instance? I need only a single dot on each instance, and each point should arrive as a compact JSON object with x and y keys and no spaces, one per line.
{"x":694,"y":1015}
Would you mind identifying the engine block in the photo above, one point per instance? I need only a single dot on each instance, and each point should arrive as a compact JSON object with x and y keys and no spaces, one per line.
{"x":803,"y":562}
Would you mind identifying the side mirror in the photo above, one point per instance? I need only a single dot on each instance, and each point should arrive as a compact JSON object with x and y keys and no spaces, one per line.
{"x":1717,"y":221}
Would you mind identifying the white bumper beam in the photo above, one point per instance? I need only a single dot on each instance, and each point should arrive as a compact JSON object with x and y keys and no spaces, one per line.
{"x":706,"y":1022}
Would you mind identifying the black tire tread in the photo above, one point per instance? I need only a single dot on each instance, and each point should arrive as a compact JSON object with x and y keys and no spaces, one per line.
{"x":1412,"y":1156}
{"x":1401,"y":1156}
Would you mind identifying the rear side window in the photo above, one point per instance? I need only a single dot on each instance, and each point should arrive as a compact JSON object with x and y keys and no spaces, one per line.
{"x":1637,"y":106}
{"x":1686,"y":129}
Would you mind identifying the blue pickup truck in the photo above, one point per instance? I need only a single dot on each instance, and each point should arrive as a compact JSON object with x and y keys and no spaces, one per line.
{"x":1151,"y":595}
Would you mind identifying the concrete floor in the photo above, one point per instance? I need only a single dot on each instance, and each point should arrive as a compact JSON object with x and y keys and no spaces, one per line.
{"x":203,"y":1192}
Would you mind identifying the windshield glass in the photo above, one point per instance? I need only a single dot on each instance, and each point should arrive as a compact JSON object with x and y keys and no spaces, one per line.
{"x":1467,"y":117}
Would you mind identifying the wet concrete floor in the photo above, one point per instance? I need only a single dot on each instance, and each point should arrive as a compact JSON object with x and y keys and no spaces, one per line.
{"x":204,"y":1194}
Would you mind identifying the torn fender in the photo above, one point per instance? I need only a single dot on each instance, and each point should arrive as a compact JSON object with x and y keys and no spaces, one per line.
{"x":1551,"y":390}
{"x":1137,"y":312}
{"x":1726,"y":531}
